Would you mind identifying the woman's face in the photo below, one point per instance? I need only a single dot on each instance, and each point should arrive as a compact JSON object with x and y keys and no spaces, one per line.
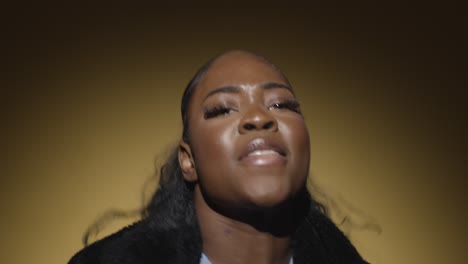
{"x":249,"y":144}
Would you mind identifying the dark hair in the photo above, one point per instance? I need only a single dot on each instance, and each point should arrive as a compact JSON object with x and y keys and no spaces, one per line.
{"x":188,"y":92}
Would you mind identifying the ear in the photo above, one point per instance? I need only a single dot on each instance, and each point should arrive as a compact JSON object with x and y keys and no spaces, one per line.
{"x":186,"y":162}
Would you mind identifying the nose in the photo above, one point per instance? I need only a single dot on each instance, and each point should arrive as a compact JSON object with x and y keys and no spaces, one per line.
{"x":257,"y":119}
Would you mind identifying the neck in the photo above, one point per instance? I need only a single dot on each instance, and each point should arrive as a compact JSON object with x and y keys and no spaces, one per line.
{"x":262,"y":237}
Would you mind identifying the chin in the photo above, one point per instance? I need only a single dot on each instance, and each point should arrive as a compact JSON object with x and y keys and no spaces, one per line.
{"x":268,"y":197}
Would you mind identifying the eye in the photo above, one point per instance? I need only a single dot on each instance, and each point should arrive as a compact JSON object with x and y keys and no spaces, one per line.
{"x":290,"y":104}
{"x":211,"y":112}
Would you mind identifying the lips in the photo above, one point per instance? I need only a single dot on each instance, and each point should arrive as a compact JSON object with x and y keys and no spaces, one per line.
{"x":263,"y":151}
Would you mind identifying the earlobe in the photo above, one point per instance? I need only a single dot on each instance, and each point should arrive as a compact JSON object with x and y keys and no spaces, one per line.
{"x":186,"y":162}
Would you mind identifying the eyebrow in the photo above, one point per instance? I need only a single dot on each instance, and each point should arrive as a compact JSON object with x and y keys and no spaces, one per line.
{"x":237,"y":88}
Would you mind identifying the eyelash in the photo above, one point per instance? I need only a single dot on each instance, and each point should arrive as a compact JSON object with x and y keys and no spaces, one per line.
{"x":290,"y":104}
{"x":218,"y":110}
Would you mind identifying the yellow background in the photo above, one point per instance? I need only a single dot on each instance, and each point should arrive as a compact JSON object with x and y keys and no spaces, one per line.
{"x":90,"y":103}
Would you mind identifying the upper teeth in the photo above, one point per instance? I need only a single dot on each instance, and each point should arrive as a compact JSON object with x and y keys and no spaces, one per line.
{"x":262,"y":152}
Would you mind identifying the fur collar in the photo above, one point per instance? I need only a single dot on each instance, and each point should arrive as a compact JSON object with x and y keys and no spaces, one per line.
{"x":318,"y":240}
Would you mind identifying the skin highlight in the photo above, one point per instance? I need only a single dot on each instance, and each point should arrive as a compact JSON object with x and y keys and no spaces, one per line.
{"x":247,"y":153}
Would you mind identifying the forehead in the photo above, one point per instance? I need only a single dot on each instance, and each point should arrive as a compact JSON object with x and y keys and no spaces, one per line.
{"x":239,"y":69}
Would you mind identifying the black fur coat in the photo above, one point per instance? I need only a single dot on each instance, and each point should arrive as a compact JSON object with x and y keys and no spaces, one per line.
{"x":317,"y":240}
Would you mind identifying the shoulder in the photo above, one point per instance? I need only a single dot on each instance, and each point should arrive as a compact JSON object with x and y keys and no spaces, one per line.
{"x":140,"y":243}
{"x":129,"y":245}
{"x":319,"y":240}
{"x":109,"y":249}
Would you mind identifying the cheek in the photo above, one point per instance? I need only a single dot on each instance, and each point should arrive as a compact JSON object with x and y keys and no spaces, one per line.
{"x":214,"y":155}
{"x":297,"y":136}
{"x":212,"y":144}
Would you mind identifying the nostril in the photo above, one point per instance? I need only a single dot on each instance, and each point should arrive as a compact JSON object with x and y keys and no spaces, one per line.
{"x":268,"y":125}
{"x":249,"y":126}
